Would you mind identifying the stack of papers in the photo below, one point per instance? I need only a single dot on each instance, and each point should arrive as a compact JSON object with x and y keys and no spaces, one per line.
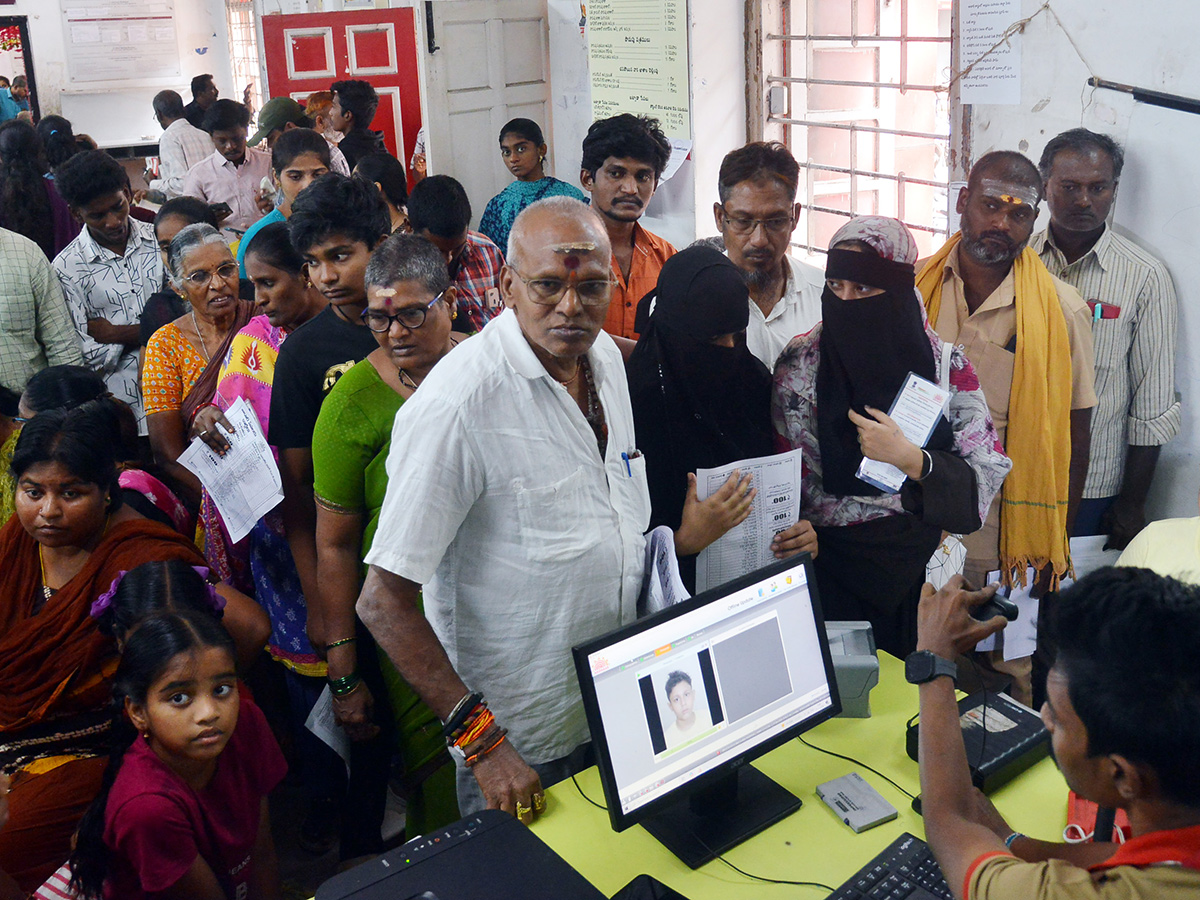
{"x":245,"y":482}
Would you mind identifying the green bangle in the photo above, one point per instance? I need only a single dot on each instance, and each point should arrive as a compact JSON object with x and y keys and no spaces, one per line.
{"x":349,"y":640}
{"x":342,"y":686}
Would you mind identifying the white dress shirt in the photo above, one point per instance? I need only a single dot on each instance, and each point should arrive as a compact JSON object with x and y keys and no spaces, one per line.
{"x":181,"y":146}
{"x":216,"y":180}
{"x":99,"y":284}
{"x":796,"y":312}
{"x":525,"y":540}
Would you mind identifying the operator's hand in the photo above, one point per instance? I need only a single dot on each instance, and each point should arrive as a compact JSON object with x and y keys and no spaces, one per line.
{"x":944,"y":623}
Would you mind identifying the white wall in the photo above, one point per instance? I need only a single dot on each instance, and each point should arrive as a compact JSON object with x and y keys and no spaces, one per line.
{"x":120,"y":113}
{"x":1148,"y":46}
{"x":682,"y":208}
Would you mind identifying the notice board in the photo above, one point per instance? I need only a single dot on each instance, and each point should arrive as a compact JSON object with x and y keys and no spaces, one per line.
{"x":638,"y":56}
{"x":120,"y":40}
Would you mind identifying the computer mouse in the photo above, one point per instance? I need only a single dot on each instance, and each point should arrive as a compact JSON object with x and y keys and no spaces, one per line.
{"x":997,"y":606}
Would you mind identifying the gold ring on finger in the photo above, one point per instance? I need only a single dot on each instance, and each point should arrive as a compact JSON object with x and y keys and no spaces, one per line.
{"x":539,"y":802}
{"x":522,"y":811}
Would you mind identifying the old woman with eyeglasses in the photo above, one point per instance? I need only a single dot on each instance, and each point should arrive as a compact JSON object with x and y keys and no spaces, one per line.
{"x":410,"y":305}
{"x":183,"y":358}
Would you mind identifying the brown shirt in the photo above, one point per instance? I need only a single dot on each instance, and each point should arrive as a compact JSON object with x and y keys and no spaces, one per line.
{"x":988,"y":337}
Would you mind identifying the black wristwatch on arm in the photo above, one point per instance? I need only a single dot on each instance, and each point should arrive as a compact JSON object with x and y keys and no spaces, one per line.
{"x":924,"y":665}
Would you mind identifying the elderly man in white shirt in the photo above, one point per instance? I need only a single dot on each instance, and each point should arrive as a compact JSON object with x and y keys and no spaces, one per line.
{"x":517,"y":499}
{"x":756,"y":215}
{"x":181,"y":146}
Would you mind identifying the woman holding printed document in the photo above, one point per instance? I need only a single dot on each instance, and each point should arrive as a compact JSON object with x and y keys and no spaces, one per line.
{"x":833,"y":387}
{"x":701,"y":400}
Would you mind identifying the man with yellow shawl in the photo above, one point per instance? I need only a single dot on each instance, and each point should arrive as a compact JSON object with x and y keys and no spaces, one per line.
{"x":1028,"y":336}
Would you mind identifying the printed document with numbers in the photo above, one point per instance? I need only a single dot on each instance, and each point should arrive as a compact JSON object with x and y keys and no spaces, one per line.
{"x":776,"y":507}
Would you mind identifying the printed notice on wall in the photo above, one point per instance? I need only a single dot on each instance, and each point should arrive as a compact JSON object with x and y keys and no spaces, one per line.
{"x":996,"y":76}
{"x":120,"y":40}
{"x":639,"y":61}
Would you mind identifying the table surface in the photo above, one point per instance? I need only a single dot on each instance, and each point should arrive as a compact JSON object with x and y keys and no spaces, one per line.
{"x":811,"y":844}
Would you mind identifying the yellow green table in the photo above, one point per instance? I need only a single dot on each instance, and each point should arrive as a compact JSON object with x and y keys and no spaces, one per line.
{"x":810,"y":845}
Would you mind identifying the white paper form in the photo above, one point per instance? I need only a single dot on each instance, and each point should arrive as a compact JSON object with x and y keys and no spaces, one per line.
{"x":1019,"y":638}
{"x":776,"y":507}
{"x":661,"y":585}
{"x":996,"y":75}
{"x":916,"y":411}
{"x":245,"y":482}
{"x":322,"y":722}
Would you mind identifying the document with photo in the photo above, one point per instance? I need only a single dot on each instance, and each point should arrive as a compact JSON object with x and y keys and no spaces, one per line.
{"x":916,"y":411}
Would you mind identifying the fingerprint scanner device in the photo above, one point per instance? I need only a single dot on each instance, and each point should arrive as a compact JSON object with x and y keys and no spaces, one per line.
{"x":1013,"y":740}
{"x":679,"y":702}
{"x":855,"y":802}
{"x":489,"y":854}
{"x":852,"y":645}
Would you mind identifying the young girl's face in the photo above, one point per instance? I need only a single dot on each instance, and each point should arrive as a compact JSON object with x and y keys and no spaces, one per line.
{"x":191,"y":710}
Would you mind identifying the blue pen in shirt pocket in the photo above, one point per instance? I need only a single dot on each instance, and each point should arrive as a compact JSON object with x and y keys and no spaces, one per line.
{"x":626,"y":457}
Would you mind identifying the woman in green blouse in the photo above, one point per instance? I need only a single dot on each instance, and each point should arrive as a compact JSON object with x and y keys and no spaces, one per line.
{"x":410,"y":304}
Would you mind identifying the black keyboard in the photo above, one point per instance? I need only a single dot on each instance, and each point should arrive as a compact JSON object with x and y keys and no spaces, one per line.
{"x":904,"y":869}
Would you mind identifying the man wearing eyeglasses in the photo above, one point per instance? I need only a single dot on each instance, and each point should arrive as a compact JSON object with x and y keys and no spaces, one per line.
{"x":516,"y":502}
{"x":756,"y":215}
{"x":623,"y":158}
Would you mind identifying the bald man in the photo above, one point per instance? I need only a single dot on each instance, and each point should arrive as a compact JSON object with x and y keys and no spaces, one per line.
{"x":980,"y":304}
{"x":516,"y":499}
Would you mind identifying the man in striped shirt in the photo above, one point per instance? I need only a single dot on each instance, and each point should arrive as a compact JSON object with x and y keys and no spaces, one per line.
{"x":1133,"y":307}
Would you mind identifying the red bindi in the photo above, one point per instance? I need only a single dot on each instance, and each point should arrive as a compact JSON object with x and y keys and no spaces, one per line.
{"x":571,"y":262}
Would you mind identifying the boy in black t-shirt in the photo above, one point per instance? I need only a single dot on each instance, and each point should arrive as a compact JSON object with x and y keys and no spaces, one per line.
{"x":335,"y":224}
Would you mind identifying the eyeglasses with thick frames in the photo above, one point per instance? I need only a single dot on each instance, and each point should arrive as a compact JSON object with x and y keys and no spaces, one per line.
{"x":549,"y":291}
{"x":202,"y":277}
{"x":745,"y":224}
{"x":411,"y":317}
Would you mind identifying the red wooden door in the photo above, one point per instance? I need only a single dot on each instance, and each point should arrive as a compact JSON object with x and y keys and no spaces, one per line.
{"x":309,"y":52}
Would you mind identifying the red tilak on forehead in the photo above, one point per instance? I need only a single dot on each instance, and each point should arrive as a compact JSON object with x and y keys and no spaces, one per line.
{"x":571,"y":261}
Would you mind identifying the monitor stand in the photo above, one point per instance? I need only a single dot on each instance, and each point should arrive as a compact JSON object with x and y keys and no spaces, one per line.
{"x":701,"y":827}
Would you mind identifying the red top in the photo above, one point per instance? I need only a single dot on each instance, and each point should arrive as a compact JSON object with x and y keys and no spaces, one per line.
{"x":156,"y":825}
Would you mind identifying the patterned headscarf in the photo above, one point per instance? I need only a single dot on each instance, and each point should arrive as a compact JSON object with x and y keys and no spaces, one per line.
{"x":890,"y":237}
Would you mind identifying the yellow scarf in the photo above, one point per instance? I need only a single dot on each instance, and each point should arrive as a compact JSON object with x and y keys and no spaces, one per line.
{"x":1033,"y":515}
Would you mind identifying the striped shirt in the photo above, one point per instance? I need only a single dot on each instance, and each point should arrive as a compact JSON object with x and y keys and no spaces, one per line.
{"x":1135,"y":352}
{"x":36,"y":329}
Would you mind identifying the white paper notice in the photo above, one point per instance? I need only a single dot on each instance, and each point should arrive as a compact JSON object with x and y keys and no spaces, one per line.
{"x":776,"y":506}
{"x":996,"y":76}
{"x":245,"y":482}
{"x":661,"y":585}
{"x":916,"y":410}
{"x":679,"y":152}
{"x":323,"y":724}
{"x":1019,"y":638}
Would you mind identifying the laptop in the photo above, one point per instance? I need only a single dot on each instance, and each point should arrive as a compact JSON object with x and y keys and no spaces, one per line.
{"x":489,"y":854}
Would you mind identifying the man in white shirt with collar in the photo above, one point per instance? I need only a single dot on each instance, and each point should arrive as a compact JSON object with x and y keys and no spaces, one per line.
{"x":756,"y":215}
{"x":108,"y":272}
{"x":181,"y":146}
{"x":517,"y":500}
{"x":233,"y":172}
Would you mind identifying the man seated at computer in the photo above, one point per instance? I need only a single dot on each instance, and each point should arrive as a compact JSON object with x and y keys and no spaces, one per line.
{"x":688,"y":721}
{"x":1123,"y":711}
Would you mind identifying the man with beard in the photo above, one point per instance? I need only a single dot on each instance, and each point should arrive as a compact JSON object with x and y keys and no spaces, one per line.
{"x":757,"y":214}
{"x":623,"y":158}
{"x":982,"y":290}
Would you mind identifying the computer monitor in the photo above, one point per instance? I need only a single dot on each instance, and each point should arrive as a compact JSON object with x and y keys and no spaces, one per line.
{"x":680,"y":701}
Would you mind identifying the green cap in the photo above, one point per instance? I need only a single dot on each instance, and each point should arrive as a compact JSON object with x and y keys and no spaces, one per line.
{"x":275,"y":114}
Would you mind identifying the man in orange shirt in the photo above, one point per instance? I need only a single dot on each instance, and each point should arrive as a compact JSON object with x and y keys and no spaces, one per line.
{"x":623,"y":158}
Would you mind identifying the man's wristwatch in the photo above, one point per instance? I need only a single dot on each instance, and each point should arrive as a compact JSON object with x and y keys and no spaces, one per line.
{"x":924,"y":665}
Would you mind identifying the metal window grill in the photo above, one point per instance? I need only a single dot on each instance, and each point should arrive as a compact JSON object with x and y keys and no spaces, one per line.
{"x":859,"y":90}
{"x":243,"y":49}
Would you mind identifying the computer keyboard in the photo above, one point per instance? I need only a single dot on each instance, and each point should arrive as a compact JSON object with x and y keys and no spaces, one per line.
{"x":904,"y":869}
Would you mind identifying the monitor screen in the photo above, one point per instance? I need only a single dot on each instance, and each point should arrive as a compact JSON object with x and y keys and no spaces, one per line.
{"x":706,"y":685}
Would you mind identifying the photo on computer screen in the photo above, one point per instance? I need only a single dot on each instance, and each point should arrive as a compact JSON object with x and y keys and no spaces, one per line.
{"x":753,"y":668}
{"x":680,"y":701}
